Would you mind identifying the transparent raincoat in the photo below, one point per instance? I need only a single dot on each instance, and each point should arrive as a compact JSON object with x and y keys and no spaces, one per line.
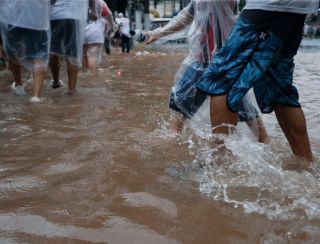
{"x":96,"y":30}
{"x":206,"y":24}
{"x":75,"y":10}
{"x":25,"y":30}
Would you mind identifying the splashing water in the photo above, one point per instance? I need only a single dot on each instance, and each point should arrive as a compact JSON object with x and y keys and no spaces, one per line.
{"x":249,"y":175}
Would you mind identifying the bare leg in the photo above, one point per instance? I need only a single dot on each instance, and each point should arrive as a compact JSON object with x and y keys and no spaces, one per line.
{"x":176,"y":121}
{"x":293,"y":124}
{"x":2,"y":60}
{"x":93,"y":66}
{"x":94,"y":56}
{"x":55,"y":70}
{"x":85,"y":62}
{"x":221,"y":119}
{"x":221,"y":116}
{"x":16,"y":72}
{"x":38,"y":77}
{"x":72,"y":76}
{"x":258,"y":129}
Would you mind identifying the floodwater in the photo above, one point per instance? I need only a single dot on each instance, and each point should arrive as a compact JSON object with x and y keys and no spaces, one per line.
{"x":102,"y":167}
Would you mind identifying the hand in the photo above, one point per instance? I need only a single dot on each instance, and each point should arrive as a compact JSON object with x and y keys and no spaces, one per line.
{"x":92,"y":17}
{"x":111,"y":33}
{"x":152,"y":37}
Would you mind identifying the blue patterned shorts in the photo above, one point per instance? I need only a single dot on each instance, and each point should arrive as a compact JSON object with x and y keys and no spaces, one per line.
{"x":254,"y":59}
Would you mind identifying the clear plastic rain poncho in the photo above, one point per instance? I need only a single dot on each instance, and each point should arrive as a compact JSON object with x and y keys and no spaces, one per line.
{"x":69,"y":10}
{"x":25,"y":30}
{"x":96,"y":30}
{"x":207,"y":24}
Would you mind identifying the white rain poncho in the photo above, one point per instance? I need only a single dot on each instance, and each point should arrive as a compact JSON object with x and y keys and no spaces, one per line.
{"x":25,"y":30}
{"x":207,"y":24}
{"x":69,"y":10}
{"x":96,"y":31}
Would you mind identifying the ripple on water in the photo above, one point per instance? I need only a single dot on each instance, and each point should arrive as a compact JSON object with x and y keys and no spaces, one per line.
{"x":21,"y":183}
{"x":62,"y":168}
{"x":143,"y":199}
{"x":117,"y":230}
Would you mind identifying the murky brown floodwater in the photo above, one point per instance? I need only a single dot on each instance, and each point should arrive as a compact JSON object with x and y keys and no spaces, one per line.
{"x":101,"y":167}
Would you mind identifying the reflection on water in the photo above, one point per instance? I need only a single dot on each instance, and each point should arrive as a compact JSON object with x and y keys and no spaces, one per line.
{"x":102,"y":167}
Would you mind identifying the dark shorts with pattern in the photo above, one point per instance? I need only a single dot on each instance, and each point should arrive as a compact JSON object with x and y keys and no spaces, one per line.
{"x":25,"y":44}
{"x":64,"y":37}
{"x":259,"y":54}
{"x":186,"y":99}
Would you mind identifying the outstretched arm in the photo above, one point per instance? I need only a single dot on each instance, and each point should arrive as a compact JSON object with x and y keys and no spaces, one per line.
{"x":183,"y":19}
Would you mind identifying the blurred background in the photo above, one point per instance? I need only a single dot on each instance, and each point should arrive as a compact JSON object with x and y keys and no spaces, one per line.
{"x":150,"y":14}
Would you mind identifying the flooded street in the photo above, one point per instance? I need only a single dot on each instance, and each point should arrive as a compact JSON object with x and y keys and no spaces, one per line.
{"x":102,"y":167}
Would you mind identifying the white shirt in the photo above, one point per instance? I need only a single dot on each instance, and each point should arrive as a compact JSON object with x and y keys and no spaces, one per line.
{"x":68,"y":9}
{"x":124,"y":26}
{"x":30,"y":14}
{"x":293,"y":6}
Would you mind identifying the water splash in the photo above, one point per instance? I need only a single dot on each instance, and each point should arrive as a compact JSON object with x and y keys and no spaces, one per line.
{"x":249,"y":175}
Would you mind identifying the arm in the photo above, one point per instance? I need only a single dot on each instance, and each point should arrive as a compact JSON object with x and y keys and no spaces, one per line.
{"x":183,"y":19}
{"x":93,"y":9}
{"x":106,"y":13}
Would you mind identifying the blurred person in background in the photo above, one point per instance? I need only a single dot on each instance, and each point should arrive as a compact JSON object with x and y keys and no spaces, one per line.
{"x":124,"y":28}
{"x":95,"y":32}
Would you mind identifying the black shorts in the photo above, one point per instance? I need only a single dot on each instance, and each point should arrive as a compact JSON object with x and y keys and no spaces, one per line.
{"x":288,"y":27}
{"x":64,"y":37}
{"x":23,"y":43}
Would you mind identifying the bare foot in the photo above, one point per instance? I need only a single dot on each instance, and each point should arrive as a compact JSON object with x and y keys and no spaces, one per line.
{"x":176,"y":121}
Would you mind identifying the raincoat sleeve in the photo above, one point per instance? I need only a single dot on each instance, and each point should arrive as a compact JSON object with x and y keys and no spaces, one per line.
{"x":179,"y":23}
